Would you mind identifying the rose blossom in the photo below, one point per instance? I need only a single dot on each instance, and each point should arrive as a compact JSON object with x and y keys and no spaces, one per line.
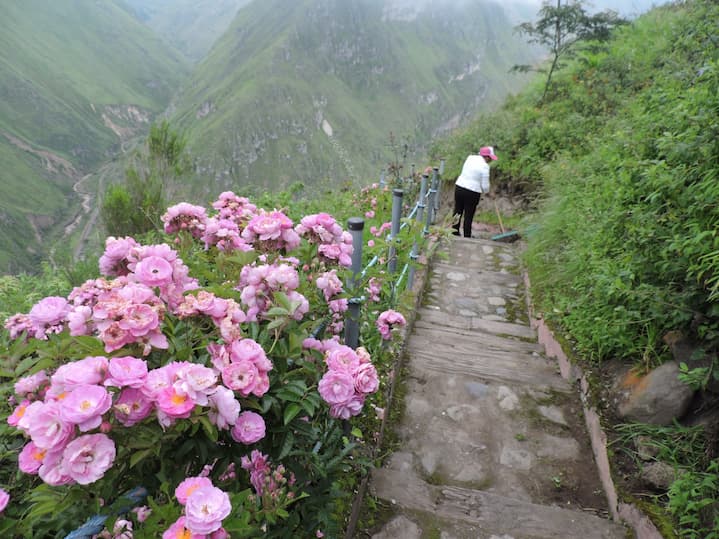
{"x":132,"y":406}
{"x":205,"y":509}
{"x":342,"y":358}
{"x":43,"y":423}
{"x":30,"y":458}
{"x":365,"y":378}
{"x":240,"y":376}
{"x":85,"y":405}
{"x":4,"y":499}
{"x":347,"y":409}
{"x":30,"y":384}
{"x":190,"y":485}
{"x":17,"y":414}
{"x":126,"y":371}
{"x":153,"y":271}
{"x":249,"y":428}
{"x":178,"y":530}
{"x":336,"y":387}
{"x":87,"y":458}
{"x":224,"y":408}
{"x":175,"y":404}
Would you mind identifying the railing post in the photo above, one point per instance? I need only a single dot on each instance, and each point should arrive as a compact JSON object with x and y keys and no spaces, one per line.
{"x":435,"y":187}
{"x":397,"y":195}
{"x":355,"y":225}
{"x":430,"y":207}
{"x":382,"y":179}
{"x":441,"y":167}
{"x":414,"y":255}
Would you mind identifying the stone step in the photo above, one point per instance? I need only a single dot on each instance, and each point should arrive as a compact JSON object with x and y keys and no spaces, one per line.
{"x":439,"y":318}
{"x":476,"y":274}
{"x":489,"y":514}
{"x":442,"y":333}
{"x":484,"y":364}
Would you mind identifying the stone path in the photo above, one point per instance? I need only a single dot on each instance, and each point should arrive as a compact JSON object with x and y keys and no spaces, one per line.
{"x":492,"y":442}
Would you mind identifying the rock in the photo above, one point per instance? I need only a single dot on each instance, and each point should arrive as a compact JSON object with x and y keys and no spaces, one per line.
{"x":399,"y":528}
{"x":658,"y":475}
{"x":645,"y":449}
{"x":657,"y":398}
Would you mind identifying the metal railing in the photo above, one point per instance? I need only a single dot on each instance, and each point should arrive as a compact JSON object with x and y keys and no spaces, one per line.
{"x":424,"y":212}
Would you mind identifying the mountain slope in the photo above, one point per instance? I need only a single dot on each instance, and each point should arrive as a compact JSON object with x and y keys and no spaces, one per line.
{"x":190,"y":26}
{"x":312,"y":89}
{"x":76,"y":78}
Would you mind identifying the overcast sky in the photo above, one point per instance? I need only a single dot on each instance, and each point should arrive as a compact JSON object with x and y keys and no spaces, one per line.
{"x":624,"y":7}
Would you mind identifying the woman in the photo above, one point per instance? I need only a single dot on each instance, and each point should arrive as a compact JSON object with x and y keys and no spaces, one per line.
{"x":468,"y":189}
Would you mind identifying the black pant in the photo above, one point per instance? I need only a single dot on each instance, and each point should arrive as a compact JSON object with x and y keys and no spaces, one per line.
{"x":465,"y":204}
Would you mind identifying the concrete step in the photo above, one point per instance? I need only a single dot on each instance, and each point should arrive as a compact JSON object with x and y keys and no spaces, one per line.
{"x":438,"y":318}
{"x":485,"y":514}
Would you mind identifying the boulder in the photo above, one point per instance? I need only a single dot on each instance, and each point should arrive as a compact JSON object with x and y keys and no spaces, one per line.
{"x":658,"y":475}
{"x":658,"y":397}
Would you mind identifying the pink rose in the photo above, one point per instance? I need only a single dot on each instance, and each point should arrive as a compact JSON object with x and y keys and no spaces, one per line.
{"x":85,"y":405}
{"x":224,"y":408}
{"x":45,"y":426}
{"x":30,"y":384}
{"x":365,"y":378}
{"x":178,"y":530}
{"x":174,"y":403}
{"x":342,"y":358}
{"x":30,"y":458}
{"x":4,"y":499}
{"x":240,"y":376}
{"x":190,"y":485}
{"x":336,"y":387}
{"x":153,"y":271}
{"x":49,"y":311}
{"x":249,"y":428}
{"x":205,"y":509}
{"x":127,"y":371}
{"x":347,"y":409}
{"x":132,"y":406}
{"x":87,"y":458}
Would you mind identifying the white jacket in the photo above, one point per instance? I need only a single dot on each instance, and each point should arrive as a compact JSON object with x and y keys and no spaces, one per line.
{"x":475,"y":174}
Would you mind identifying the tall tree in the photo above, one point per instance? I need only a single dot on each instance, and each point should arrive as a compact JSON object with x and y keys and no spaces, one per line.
{"x":136,"y":206}
{"x":561,"y":27}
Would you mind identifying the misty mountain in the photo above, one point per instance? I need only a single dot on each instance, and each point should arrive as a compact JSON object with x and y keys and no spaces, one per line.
{"x":76,"y":78}
{"x":190,"y":26}
{"x":311,"y":90}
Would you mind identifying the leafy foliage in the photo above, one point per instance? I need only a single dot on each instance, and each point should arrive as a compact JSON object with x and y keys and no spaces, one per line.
{"x":561,"y":28}
{"x":136,"y":207}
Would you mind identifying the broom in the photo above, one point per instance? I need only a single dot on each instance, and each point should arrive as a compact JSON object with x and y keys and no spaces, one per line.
{"x":505,"y":237}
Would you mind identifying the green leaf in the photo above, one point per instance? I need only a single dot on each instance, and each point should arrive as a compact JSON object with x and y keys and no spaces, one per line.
{"x":283,"y":300}
{"x":287,"y":446}
{"x":208,"y":427}
{"x":278,"y":311}
{"x":291,"y":412}
{"x":33,"y":364}
{"x":276,"y":323}
{"x":137,"y":456}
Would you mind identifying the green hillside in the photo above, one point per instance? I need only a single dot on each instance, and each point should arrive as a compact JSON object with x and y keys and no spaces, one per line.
{"x":190,"y":26}
{"x":77,"y":77}
{"x":312,"y":90}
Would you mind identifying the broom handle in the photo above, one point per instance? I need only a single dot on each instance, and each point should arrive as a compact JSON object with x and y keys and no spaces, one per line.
{"x":496,"y":209}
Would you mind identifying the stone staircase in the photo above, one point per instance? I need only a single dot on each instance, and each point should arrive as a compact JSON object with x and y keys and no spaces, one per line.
{"x":492,"y":442}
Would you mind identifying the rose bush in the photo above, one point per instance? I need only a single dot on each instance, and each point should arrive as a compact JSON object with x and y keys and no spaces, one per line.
{"x":210,"y":362}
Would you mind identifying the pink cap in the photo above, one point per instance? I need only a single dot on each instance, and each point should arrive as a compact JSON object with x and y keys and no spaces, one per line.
{"x":487,"y":151}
